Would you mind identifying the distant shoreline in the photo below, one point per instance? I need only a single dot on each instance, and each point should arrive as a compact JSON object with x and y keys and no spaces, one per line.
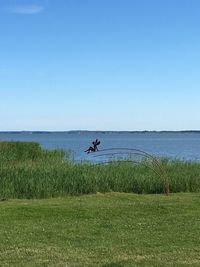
{"x":88,"y":131}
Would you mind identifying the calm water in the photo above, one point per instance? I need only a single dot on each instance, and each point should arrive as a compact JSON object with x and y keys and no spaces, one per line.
{"x":176,"y":145}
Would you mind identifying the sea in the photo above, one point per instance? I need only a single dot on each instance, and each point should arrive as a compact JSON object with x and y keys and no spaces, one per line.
{"x":175,"y":145}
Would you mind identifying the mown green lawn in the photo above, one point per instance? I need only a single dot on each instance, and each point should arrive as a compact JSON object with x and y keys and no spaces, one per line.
{"x":107,"y":230}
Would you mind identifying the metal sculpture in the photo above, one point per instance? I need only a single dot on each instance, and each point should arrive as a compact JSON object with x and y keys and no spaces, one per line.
{"x":156,"y":165}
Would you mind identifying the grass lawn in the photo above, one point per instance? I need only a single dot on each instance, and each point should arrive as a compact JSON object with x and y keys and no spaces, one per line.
{"x":107,"y":230}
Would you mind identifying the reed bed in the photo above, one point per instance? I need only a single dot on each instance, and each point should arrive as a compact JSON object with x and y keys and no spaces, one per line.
{"x":28,"y":171}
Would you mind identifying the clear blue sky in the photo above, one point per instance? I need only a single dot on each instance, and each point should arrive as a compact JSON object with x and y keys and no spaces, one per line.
{"x":99,"y":64}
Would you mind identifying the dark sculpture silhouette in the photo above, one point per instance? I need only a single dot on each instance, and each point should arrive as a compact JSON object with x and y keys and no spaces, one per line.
{"x":94,"y":147}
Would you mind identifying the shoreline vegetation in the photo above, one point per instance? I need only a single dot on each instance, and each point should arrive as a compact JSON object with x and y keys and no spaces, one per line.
{"x":28,"y":171}
{"x":55,"y":212}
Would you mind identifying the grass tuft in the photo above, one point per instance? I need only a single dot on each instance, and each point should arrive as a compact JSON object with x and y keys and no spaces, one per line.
{"x":28,"y":171}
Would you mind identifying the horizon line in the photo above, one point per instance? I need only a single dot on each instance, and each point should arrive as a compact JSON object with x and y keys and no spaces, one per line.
{"x":118,"y":131}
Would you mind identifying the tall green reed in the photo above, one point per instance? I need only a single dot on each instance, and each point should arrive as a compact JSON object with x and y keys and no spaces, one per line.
{"x":28,"y":171}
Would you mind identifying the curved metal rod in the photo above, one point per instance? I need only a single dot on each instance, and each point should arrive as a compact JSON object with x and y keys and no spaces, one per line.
{"x":144,"y":154}
{"x":130,"y":161}
{"x":136,"y":150}
{"x":133,"y":153}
